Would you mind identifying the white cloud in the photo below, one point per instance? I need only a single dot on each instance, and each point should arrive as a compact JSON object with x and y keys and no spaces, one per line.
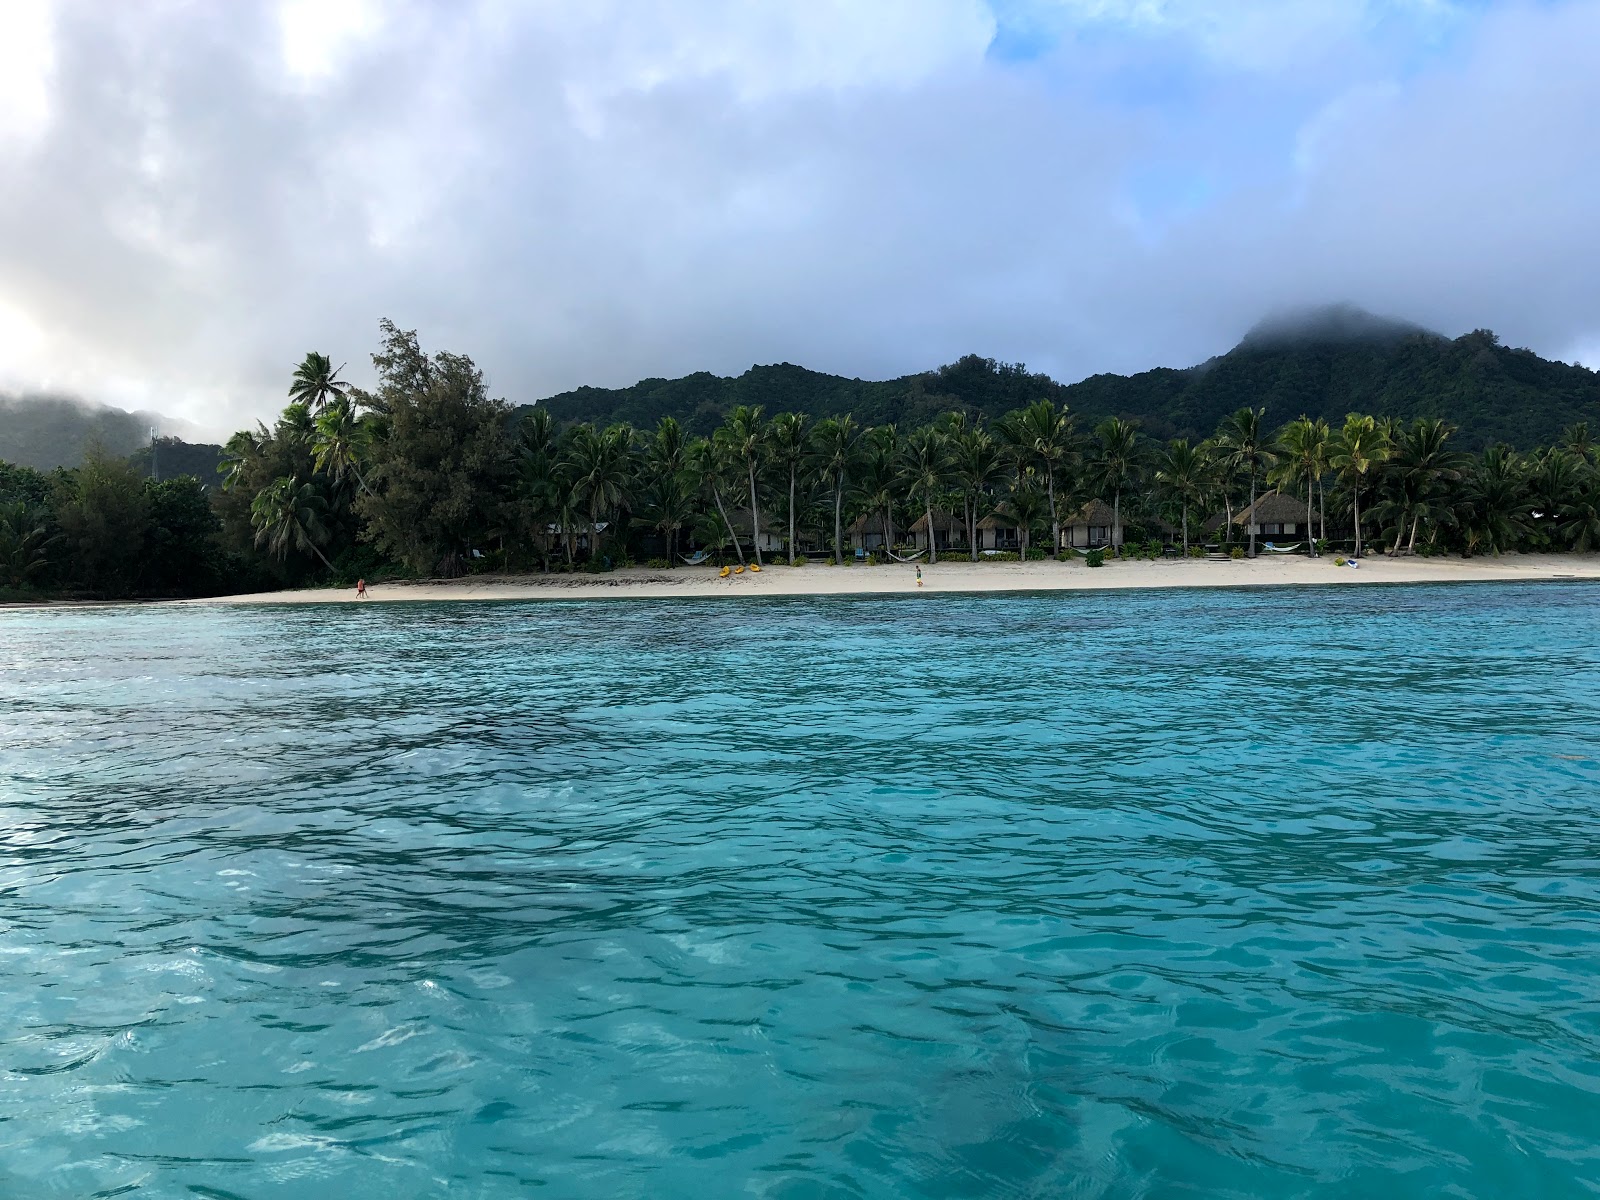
{"x":27,"y":62}
{"x":603,"y":191}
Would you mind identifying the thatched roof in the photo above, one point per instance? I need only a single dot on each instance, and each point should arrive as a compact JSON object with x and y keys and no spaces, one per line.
{"x":997,"y":521}
{"x":941,"y":520}
{"x":1096,"y":512}
{"x":1274,"y":508}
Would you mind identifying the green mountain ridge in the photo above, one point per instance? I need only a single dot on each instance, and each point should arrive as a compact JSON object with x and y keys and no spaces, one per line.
{"x":1321,"y":363}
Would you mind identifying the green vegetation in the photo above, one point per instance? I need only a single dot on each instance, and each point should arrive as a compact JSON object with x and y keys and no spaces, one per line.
{"x":428,"y":474}
{"x":1327,"y":366}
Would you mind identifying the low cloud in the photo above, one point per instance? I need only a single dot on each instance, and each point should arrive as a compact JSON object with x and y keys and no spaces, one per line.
{"x":598,"y":192}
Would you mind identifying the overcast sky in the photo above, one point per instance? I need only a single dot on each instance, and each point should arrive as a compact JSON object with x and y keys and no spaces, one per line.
{"x":194,"y":194}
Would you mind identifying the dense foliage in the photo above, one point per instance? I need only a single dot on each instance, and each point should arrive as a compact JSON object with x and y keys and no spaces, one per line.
{"x":427,"y":474}
{"x":1321,"y":369}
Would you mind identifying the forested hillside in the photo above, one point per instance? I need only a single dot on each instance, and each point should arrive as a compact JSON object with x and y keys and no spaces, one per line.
{"x":46,"y":432}
{"x":1336,"y":362}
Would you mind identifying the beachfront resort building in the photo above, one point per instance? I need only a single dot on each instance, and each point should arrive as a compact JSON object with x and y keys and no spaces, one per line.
{"x":1088,"y":528}
{"x":1273,"y":517}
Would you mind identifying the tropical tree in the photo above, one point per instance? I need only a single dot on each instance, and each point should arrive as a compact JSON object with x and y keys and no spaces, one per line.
{"x":1041,"y":436}
{"x":287,"y":515}
{"x":927,"y":474}
{"x":788,"y":436}
{"x":1359,"y":447}
{"x":977,"y":469}
{"x":1025,"y":504}
{"x":24,"y":544}
{"x":1181,"y":473}
{"x":746,"y":439}
{"x":1496,"y":496}
{"x":316,"y":382}
{"x":878,"y":478}
{"x":1118,"y":458}
{"x":707,"y":464}
{"x":602,"y":464}
{"x":1246,"y":448}
{"x":835,"y":447}
{"x":1419,"y":467}
{"x":338,"y":442}
{"x":240,"y":451}
{"x":1302,"y":460}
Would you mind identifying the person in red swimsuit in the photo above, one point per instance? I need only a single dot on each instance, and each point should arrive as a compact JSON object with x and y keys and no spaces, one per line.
{"x":361,"y":589}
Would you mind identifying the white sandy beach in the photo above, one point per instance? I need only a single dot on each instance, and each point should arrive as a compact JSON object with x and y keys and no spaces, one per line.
{"x":957,"y":577}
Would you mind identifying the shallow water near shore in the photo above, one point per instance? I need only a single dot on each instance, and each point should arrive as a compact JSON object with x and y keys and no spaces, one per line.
{"x":1157,"y":894}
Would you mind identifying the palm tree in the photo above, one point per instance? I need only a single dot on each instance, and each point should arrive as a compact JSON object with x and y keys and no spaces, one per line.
{"x":1245,"y":447}
{"x":669,"y":502}
{"x":1181,"y":473}
{"x":24,"y":542}
{"x":879,"y":476}
{"x":707,"y":464}
{"x":1554,"y":485}
{"x":287,"y":515}
{"x":1581,"y":529}
{"x":242,"y":449}
{"x":541,"y":485}
{"x":975,"y":463}
{"x":669,"y":494}
{"x":834,"y":448}
{"x":747,"y":439}
{"x":788,"y":439}
{"x":316,"y":382}
{"x":602,"y":468}
{"x":337,"y":443}
{"x":1496,"y":495}
{"x":1041,"y":436}
{"x":1358,"y":448}
{"x":1575,"y":437}
{"x":1419,"y":468}
{"x":1303,"y":450}
{"x":927,"y":473}
{"x":667,"y":453}
{"x":1025,"y":504}
{"x":1118,"y":457}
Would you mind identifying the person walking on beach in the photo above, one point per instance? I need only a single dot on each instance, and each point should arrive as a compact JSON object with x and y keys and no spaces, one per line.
{"x":919,"y":574}
{"x":361,"y":589}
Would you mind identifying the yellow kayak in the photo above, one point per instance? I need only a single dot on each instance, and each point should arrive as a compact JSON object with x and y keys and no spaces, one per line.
{"x":723,"y":574}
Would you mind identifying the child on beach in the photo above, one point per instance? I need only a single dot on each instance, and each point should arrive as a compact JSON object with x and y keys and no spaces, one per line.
{"x":919,"y":574}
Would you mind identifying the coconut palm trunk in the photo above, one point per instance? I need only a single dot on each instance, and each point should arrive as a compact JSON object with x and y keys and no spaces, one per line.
{"x":1355,"y":497}
{"x":933,"y":545}
{"x":791,"y":516}
{"x":838,"y":526}
{"x":716,"y":494}
{"x":1116,"y":518}
{"x":1185,"y":528}
{"x":1311,"y":542}
{"x":1254,"y":523}
{"x":1055,"y":523}
{"x":972,"y":529}
{"x":755,"y":519}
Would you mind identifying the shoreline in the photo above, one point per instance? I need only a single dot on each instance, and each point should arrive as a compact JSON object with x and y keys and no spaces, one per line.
{"x":957,"y":578}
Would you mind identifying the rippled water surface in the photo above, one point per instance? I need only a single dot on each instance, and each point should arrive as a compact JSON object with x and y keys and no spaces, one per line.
{"x":1222,"y":894}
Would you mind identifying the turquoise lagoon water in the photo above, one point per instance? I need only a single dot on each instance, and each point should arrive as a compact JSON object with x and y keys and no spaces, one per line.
{"x":1222,"y":894}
